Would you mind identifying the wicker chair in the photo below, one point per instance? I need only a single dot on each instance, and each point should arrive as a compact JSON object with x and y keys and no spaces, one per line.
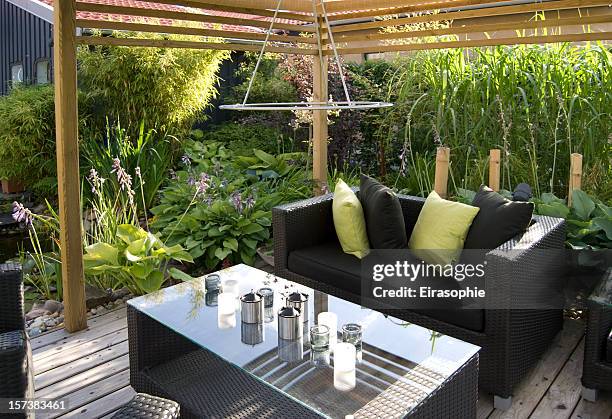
{"x":15,"y":354}
{"x":512,"y":340}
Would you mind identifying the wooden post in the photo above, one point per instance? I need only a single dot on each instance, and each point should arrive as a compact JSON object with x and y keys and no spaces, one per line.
{"x":494,"y":165}
{"x":441,"y":181}
{"x":68,"y":179}
{"x":575,"y":180}
{"x":320,"y":131}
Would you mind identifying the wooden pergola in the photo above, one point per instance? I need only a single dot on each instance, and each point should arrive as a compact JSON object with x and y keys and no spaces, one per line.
{"x":358,"y":27}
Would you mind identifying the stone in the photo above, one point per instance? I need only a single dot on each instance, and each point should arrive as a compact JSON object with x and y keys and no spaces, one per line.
{"x":120,"y":293}
{"x":95,"y":297}
{"x":53,"y":306}
{"x":37,"y":312}
{"x":38,"y":323}
{"x":34,"y":332}
{"x":93,"y":311}
{"x":50,"y":323}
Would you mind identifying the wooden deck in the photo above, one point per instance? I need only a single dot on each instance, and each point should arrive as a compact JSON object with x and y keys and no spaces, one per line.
{"x":91,"y":370}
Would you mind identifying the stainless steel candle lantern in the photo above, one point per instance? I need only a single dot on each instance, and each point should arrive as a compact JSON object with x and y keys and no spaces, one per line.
{"x":251,"y":307}
{"x":290,"y":325}
{"x":251,"y":334}
{"x":300,"y":301}
{"x":290,"y":350}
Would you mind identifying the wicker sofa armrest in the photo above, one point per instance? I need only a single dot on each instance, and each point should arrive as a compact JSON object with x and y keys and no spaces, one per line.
{"x":518,"y":271}
{"x":301,"y":224}
{"x":11,"y":298}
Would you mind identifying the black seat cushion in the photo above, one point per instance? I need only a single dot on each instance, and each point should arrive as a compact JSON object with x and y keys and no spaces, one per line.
{"x":383,"y":215}
{"x":329,"y":264}
{"x":497,"y":221}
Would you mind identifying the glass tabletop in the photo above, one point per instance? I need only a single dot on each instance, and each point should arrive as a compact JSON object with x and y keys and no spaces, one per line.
{"x":602,"y":294}
{"x":397,"y":363}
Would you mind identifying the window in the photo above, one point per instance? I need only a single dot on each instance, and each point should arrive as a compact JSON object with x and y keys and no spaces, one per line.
{"x":17,"y":73}
{"x":42,"y":72}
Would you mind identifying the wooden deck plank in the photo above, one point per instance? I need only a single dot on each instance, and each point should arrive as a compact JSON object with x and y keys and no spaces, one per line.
{"x":77,"y":340}
{"x":77,"y":382}
{"x":104,"y":407}
{"x":485,"y":405}
{"x":94,"y":392}
{"x":57,"y":335}
{"x":72,"y":354}
{"x":80,"y":365}
{"x":602,"y":409}
{"x":564,"y":393}
{"x":530,"y":391}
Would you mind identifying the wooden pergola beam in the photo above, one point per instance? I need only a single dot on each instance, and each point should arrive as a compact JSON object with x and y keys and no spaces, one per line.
{"x":544,"y":39}
{"x":472,"y":13}
{"x":478,"y":28}
{"x":68,"y":176}
{"x":206,"y":4}
{"x":185,"y":30}
{"x":170,"y":43}
{"x":186,"y":16}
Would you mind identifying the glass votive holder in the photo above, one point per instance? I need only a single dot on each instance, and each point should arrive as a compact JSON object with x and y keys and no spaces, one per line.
{"x":268,"y":296}
{"x":230,"y":286}
{"x":319,"y":359}
{"x":329,"y":319}
{"x":212,"y":282}
{"x":212,"y":298}
{"x":345,"y":372}
{"x":351,"y":333}
{"x":319,"y":337}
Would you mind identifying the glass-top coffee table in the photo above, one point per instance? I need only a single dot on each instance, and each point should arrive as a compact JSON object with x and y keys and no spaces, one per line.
{"x":186,"y":345}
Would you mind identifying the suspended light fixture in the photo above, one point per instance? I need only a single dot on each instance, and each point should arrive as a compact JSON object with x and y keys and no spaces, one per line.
{"x":309,"y":106}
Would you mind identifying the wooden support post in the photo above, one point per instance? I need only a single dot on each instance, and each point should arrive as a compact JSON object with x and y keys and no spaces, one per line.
{"x":320,"y":131}
{"x":66,"y":124}
{"x":575,"y":180}
{"x":441,"y":180}
{"x":494,"y":166}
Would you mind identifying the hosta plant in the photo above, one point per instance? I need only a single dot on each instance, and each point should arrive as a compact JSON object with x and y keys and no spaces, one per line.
{"x":138,"y":260}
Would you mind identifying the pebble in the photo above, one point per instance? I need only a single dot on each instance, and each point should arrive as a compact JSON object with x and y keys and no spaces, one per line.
{"x":93,"y":311}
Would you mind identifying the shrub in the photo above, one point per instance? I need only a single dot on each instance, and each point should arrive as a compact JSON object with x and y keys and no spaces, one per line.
{"x":27,"y":135}
{"x":241,"y":139}
{"x":165,"y":87}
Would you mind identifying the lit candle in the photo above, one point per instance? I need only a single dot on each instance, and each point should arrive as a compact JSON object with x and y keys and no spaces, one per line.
{"x":329,"y":319}
{"x":345,"y":376}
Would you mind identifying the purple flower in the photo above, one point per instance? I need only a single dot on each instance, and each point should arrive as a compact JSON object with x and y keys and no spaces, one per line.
{"x":250,"y":202}
{"x":236,"y":201}
{"x":124,"y":179}
{"x":95,"y":181}
{"x":21,"y":214}
{"x":186,"y":160}
{"x":203,"y":184}
{"x":191,"y":181}
{"x":139,"y":174}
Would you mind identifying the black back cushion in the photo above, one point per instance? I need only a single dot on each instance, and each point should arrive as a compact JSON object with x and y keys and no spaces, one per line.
{"x":497,"y":221}
{"x":383,"y":215}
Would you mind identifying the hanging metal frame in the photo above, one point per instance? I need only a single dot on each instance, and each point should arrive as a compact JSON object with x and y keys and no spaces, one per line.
{"x":348,"y":104}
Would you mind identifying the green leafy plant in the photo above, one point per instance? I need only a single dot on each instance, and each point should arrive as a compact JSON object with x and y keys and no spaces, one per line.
{"x":242,"y":138}
{"x":166,"y":87}
{"x":138,"y":260}
{"x":589,"y":221}
{"x":27,"y":135}
{"x":151,"y":152}
{"x":219,"y":206}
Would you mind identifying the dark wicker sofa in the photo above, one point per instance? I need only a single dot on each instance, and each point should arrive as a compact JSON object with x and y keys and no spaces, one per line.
{"x":306,"y":250}
{"x":15,"y":353}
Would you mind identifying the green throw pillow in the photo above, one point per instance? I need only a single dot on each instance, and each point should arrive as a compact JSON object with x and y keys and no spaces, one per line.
{"x":440,"y":230}
{"x":349,"y":221}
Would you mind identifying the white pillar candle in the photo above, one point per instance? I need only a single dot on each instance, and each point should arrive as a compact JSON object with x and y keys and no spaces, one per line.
{"x":226,"y":321}
{"x":345,"y":374}
{"x":226,"y":303}
{"x":329,"y":319}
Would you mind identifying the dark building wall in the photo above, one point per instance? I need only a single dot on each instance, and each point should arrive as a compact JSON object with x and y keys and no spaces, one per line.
{"x":24,"y":38}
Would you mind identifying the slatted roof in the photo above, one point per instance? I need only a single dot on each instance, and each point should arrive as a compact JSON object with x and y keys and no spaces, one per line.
{"x":358,"y":26}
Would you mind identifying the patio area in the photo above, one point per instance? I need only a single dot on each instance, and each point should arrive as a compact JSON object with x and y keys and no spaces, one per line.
{"x":91,"y":370}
